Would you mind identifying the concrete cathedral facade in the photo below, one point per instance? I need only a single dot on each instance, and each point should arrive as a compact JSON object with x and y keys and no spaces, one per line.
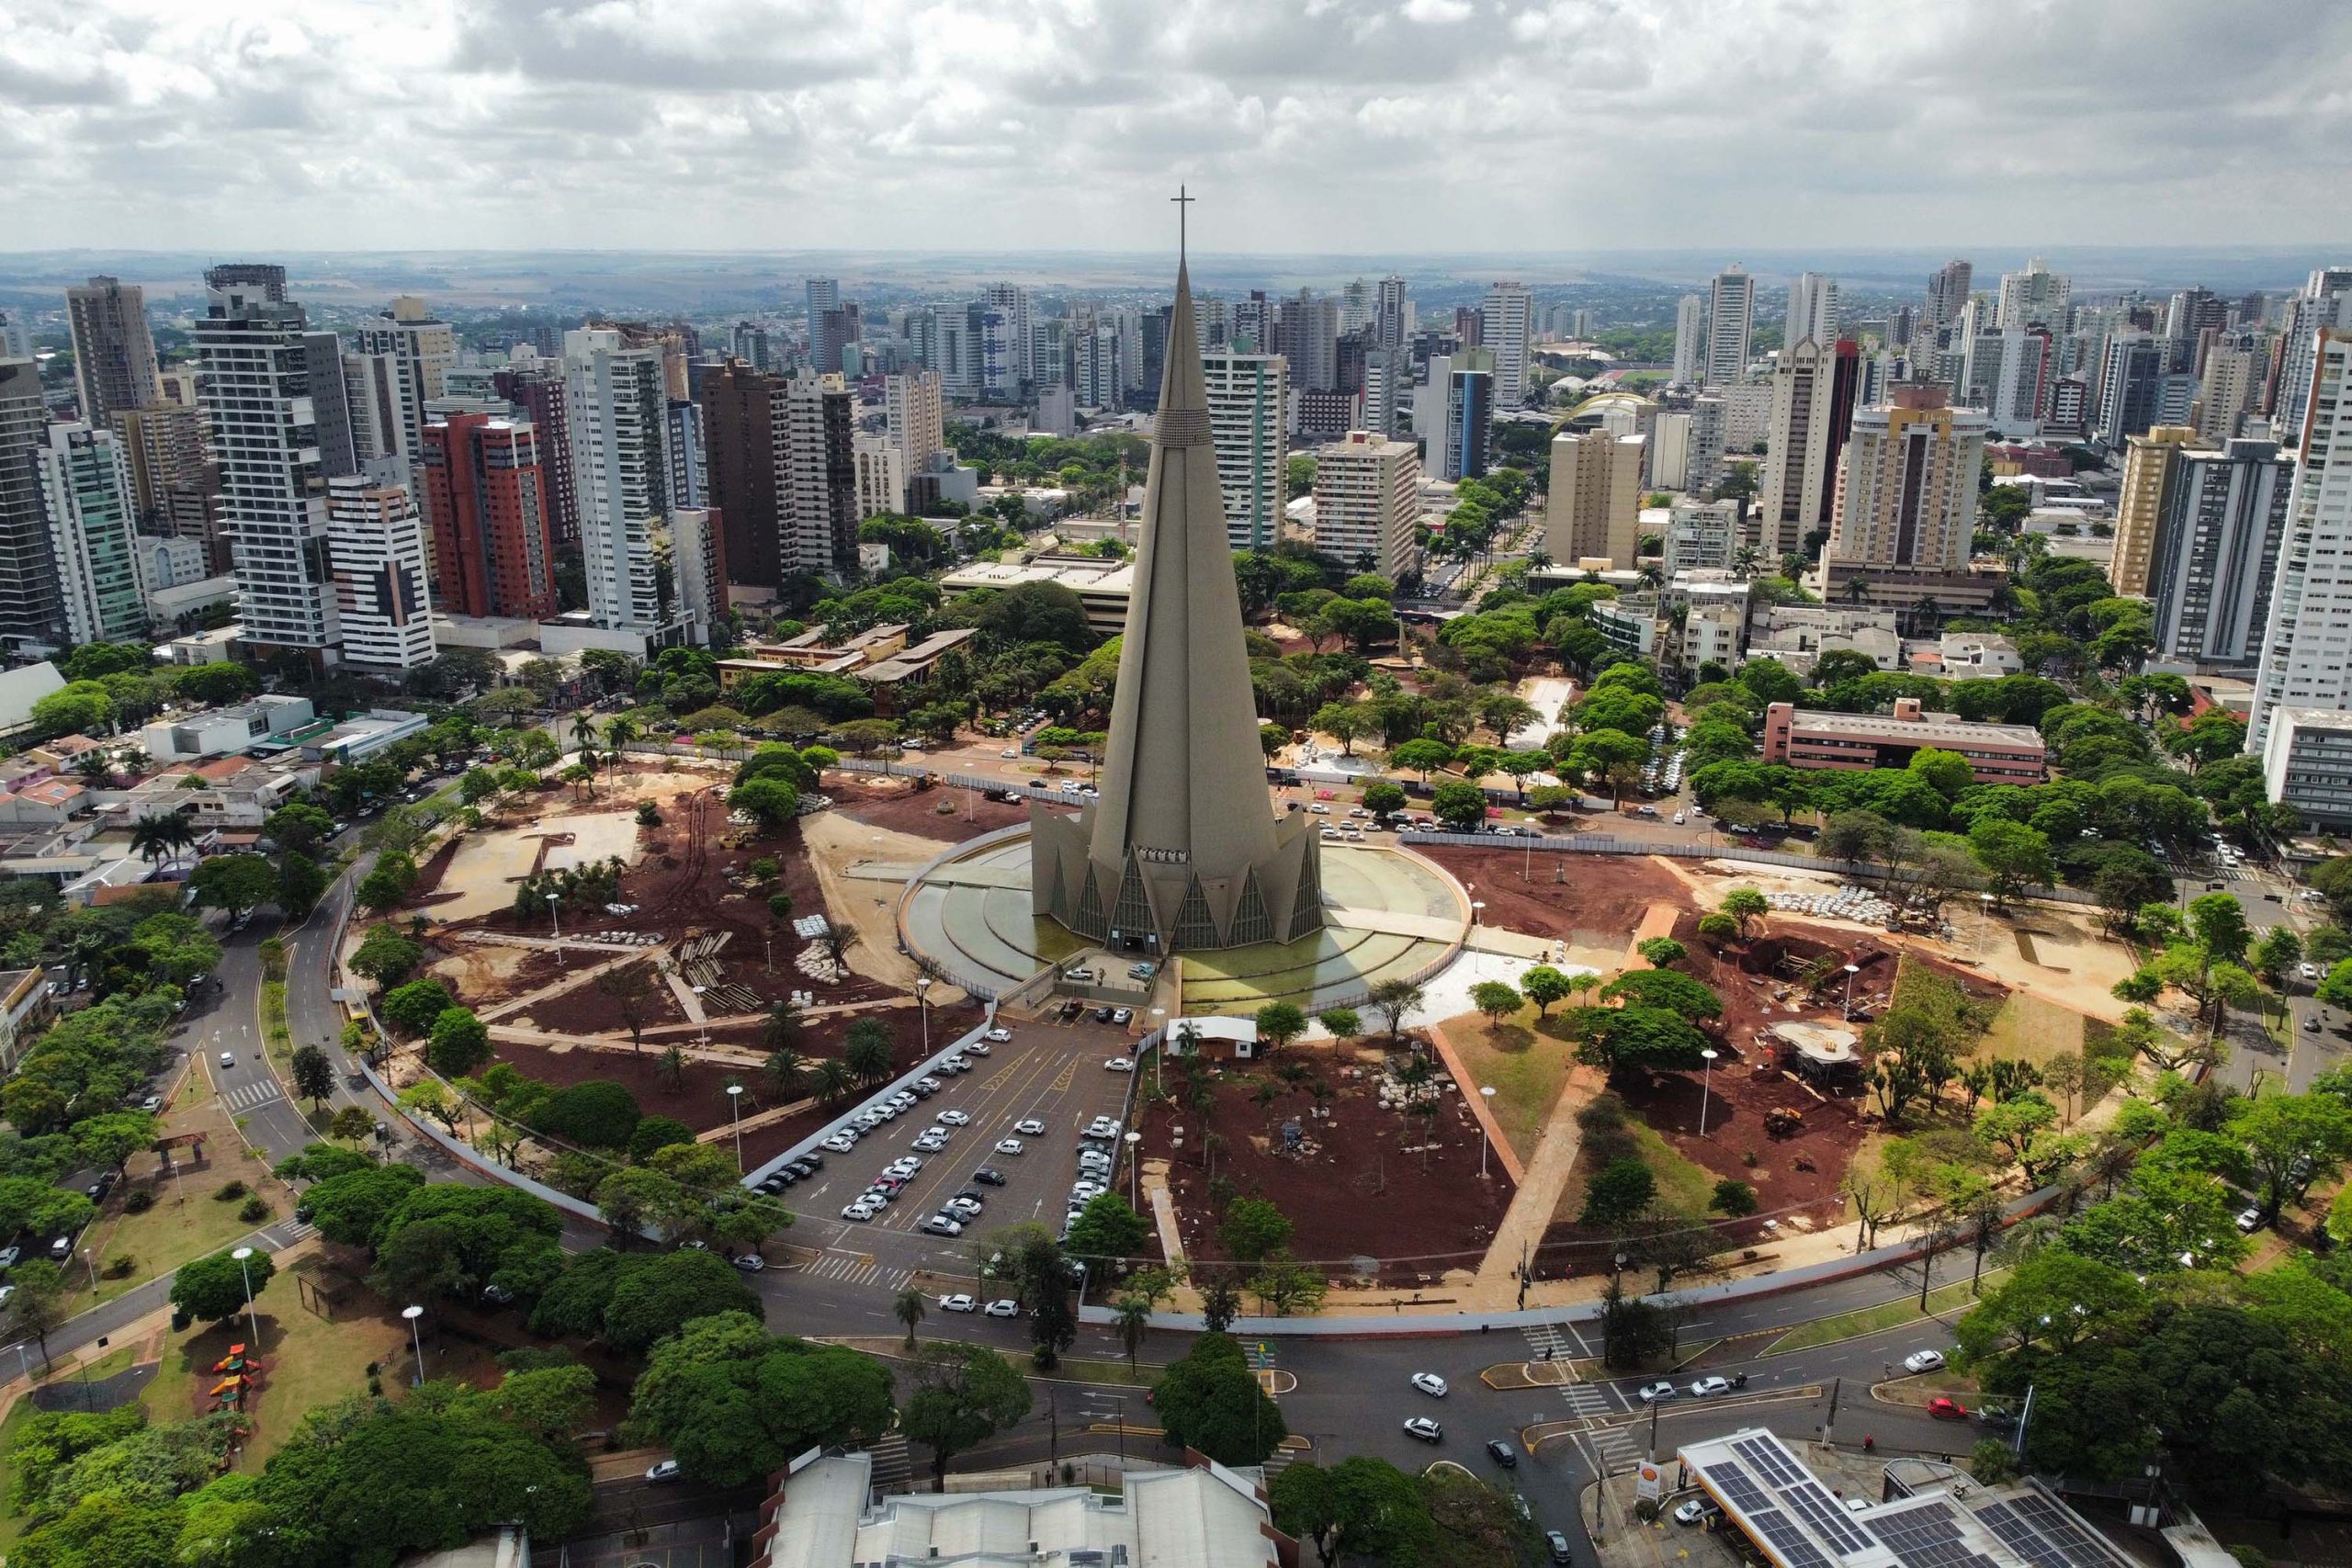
{"x":1183,"y":850}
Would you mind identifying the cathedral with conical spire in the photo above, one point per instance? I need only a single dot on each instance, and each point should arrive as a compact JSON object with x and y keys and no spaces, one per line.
{"x":1182,"y":848}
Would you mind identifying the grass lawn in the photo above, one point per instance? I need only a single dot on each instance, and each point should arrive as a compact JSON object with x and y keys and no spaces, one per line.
{"x":274,"y":1028}
{"x":1526,"y":1067}
{"x":187,"y":1222}
{"x":1954,"y":1297}
{"x":2032,"y":1029}
{"x":1682,"y":1186}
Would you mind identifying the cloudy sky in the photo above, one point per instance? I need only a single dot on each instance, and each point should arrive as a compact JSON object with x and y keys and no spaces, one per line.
{"x":1305,"y":124}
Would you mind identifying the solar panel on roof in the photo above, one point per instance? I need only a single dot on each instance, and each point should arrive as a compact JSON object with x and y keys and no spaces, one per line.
{"x":1744,"y":1493}
{"x":2075,"y":1544}
{"x":1794,"y":1547}
{"x":1817,"y":1508}
{"x":1772,"y":1461}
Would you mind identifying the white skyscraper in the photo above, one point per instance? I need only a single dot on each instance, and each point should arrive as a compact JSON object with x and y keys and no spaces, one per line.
{"x":1249,"y":402}
{"x":911,"y":409}
{"x":377,"y":544}
{"x":1798,"y":463}
{"x":87,"y":502}
{"x":618,"y":416}
{"x":1506,"y":323}
{"x":15,"y":335}
{"x":1689,"y":339}
{"x":271,"y":391}
{"x":2304,"y":662}
{"x":2037,"y":293}
{"x":1812,"y":310}
{"x":425,"y":349}
{"x":1367,"y":501}
{"x":820,"y":525}
{"x":2325,"y":302}
{"x":1005,"y":329}
{"x":1355,"y":307}
{"x":1731,"y":304}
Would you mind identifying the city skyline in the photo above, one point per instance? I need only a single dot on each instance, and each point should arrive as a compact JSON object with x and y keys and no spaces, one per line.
{"x":901,"y":126}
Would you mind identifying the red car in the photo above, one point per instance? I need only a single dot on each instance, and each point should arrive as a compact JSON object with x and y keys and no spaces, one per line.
{"x":1947,"y":1410}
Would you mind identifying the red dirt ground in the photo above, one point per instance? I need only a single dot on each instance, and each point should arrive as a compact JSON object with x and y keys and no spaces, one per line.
{"x":896,"y":804}
{"x":1600,"y":904}
{"x":1444,"y":1218}
{"x":699,"y":1101}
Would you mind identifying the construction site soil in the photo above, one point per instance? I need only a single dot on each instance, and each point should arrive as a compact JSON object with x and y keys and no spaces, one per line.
{"x":699,"y":1098}
{"x":1600,"y":904}
{"x":1365,"y":1197}
{"x":897,"y":804}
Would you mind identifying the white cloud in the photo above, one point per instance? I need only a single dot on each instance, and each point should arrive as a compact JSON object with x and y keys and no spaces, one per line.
{"x":1319,"y":125}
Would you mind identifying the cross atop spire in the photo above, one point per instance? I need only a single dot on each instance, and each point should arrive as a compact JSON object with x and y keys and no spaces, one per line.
{"x":1182,"y":202}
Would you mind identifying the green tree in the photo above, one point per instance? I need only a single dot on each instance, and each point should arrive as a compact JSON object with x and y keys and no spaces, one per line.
{"x":2014,"y":856}
{"x":1253,"y":1228}
{"x":1618,"y":1195}
{"x":2220,"y":924}
{"x":1662,"y":952}
{"x":1210,"y":1401}
{"x":1544,"y":986}
{"x":1497,"y":1000}
{"x":459,"y":1044}
{"x":414,"y":1007}
{"x":868,"y":1050}
{"x":313,"y":1075}
{"x":964,"y":1395}
{"x":214,"y":1288}
{"x":1745,"y":905}
{"x":1278,"y":1023}
{"x":386,"y":956}
{"x":733,"y":1403}
{"x":1462,"y":807}
{"x":1106,"y":1231}
{"x":908,"y":1306}
{"x":350,"y":1208}
{"x":235,"y":884}
{"x":1384,"y":799}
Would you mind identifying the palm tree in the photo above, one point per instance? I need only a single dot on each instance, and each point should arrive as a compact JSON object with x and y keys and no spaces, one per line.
{"x":1746,"y":559}
{"x":1793,"y":564}
{"x":1133,"y":1320}
{"x":907,"y":1306}
{"x":151,"y":837}
{"x":1857,"y":589}
{"x":787,"y":1074}
{"x":833,"y":1080}
{"x":784,"y":1024}
{"x":583,"y":730}
{"x":95,"y":767}
{"x":1927,"y":614}
{"x":670,"y":1066}
{"x":619,"y":732}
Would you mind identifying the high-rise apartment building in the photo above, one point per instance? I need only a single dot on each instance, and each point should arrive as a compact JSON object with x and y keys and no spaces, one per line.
{"x":2149,"y":462}
{"x":1812,"y":310}
{"x":2226,"y":392}
{"x":1946,"y":294}
{"x":1249,"y":399}
{"x":1593,"y":504}
{"x":2217,"y":552}
{"x":915,"y":418}
{"x":30,"y":607}
{"x":2132,"y":390}
{"x":2304,"y":658}
{"x":376,"y":544}
{"x":1906,"y":491}
{"x":1710,"y":427}
{"x":2325,"y":302}
{"x":1387,"y":391}
{"x":1799,"y":474}
{"x":1689,"y":339}
{"x":698,"y":562}
{"x":1506,"y":330}
{"x":743,"y":420}
{"x":823,"y":294}
{"x":1307,"y":334}
{"x":1469,"y":413}
{"x":114,"y":355}
{"x":689,"y":483}
{"x":881,"y":476}
{"x":425,"y":349}
{"x":91,"y":516}
{"x":1098,"y":369}
{"x":618,"y":410}
{"x":1367,"y":501}
{"x":1731,"y":303}
{"x":2035,"y":294}
{"x":749,"y":342}
{"x":537,"y":389}
{"x":15,"y":335}
{"x":2194,"y":313}
{"x":272,"y":396}
{"x":819,"y":422}
{"x":171,"y":482}
{"x":485,"y":506}
{"x":1049,"y":352}
{"x":1392,"y":314}
{"x":1004,"y":340}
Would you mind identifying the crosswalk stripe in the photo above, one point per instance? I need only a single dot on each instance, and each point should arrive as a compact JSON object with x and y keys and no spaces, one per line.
{"x":246,"y":1097}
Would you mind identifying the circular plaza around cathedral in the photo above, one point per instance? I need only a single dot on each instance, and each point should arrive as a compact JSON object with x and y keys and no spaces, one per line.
{"x":1388,"y":914}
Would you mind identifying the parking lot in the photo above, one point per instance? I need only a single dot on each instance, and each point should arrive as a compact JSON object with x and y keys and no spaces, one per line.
{"x":1048,"y":1073}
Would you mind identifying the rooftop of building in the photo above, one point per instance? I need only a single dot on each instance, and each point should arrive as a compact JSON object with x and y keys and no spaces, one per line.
{"x":914,"y":659}
{"x":1939,"y":1518}
{"x":1101,"y":575}
{"x":1201,"y":1516}
{"x":1928,"y":727}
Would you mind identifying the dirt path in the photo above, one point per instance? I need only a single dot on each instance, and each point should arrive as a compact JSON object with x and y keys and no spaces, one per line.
{"x":835,"y":843}
{"x":564,"y":987}
{"x":726,"y":1055}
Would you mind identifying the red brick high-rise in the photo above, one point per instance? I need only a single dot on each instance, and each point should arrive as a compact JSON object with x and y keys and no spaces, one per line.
{"x":485,"y":496}
{"x":539,"y":394}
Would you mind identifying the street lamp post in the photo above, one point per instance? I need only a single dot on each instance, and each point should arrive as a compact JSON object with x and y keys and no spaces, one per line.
{"x":555,"y":913}
{"x":243,"y":1256}
{"x":1851,"y":970}
{"x":735,"y":1120}
{"x":1134,"y":1178}
{"x":1488,"y":1091}
{"x":922,"y":1001}
{"x":416,"y":1336}
{"x":1706,"y":1088}
{"x":1158,"y":1052}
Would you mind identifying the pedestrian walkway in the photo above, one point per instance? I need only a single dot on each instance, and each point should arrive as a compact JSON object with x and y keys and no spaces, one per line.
{"x":1590,"y":1401}
{"x":1616,"y":1446}
{"x":250,"y":1095}
{"x":857,"y":1269}
{"x":1555,"y":1341}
